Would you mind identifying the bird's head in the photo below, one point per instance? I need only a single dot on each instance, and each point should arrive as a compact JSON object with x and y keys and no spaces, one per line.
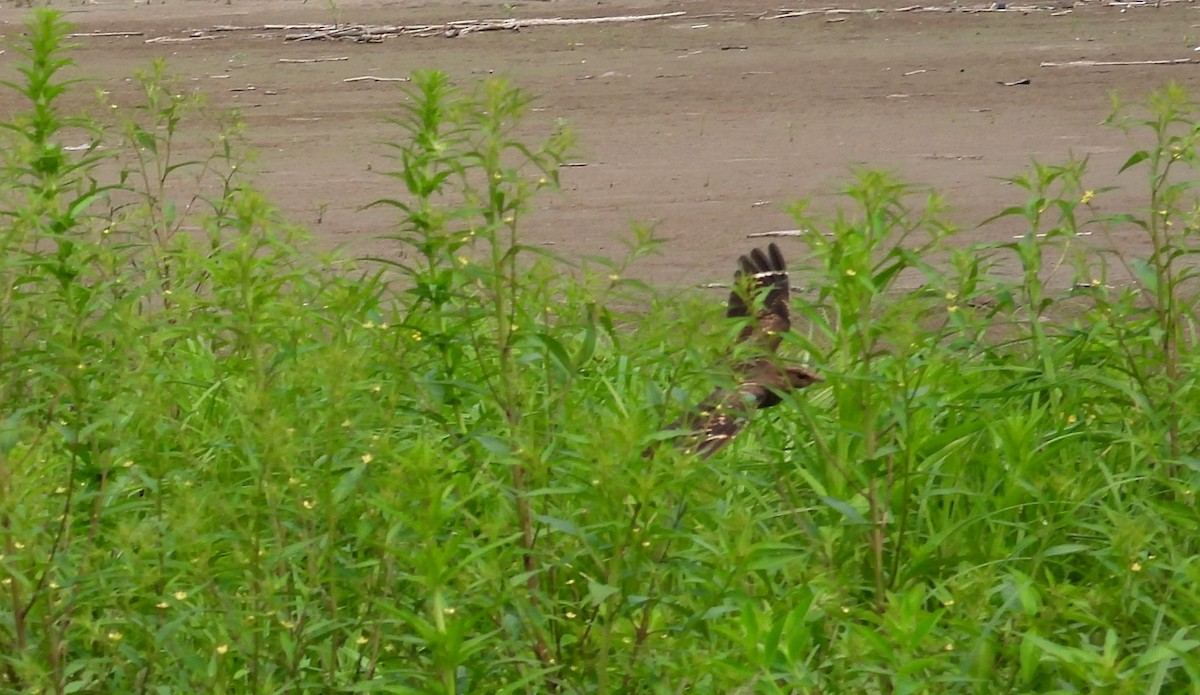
{"x":800,"y":377}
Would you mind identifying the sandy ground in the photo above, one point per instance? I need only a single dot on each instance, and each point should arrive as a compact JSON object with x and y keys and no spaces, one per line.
{"x":703,"y":125}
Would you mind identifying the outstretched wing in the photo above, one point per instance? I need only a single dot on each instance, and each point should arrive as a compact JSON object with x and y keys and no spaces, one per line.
{"x":758,"y":272}
{"x":723,"y":415}
{"x":716,"y":431}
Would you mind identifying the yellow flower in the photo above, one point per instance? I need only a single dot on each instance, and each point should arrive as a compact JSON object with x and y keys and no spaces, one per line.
{"x":181,"y":595}
{"x":222,"y":648}
{"x":1136,"y":566}
{"x":367,"y":458}
{"x":115,"y":635}
{"x":362,"y":639}
{"x":308,"y":504}
{"x":1087,"y":197}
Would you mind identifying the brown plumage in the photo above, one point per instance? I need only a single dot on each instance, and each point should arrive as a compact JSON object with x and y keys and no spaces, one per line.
{"x":762,"y":379}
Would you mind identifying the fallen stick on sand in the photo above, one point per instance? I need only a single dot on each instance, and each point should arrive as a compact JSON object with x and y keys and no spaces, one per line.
{"x":181,"y":39}
{"x":361,"y":32}
{"x":778,"y":233}
{"x":96,"y":34}
{"x":1043,"y":236}
{"x":372,"y":78}
{"x":1115,"y":63}
{"x":1053,"y":7}
{"x":313,"y":60}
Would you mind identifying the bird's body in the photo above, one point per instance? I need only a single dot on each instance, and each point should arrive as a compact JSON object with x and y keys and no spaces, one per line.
{"x":762,"y":381}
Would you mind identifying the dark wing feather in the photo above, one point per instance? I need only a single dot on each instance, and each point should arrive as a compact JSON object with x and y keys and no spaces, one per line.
{"x":722,"y":416}
{"x":720,"y":428}
{"x":758,"y":272}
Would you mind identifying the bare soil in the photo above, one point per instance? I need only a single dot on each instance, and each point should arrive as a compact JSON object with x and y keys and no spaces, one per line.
{"x":703,"y":125}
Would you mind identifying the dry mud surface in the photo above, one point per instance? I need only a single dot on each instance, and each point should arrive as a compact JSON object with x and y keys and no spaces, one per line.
{"x":703,"y":125}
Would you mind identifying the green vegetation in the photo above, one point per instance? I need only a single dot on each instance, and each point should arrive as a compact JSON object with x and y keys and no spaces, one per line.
{"x":229,"y":466}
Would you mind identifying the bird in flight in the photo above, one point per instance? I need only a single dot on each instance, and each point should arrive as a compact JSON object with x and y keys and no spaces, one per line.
{"x":721,"y":416}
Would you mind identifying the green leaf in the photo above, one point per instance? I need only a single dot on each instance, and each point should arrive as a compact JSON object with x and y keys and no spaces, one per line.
{"x":1136,"y":158}
{"x":599,"y":593}
{"x":1065,"y":549}
{"x":348,"y":483}
{"x":1146,"y":274}
{"x":852,"y":515}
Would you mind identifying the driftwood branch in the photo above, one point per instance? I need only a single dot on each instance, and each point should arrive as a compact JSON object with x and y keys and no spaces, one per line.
{"x":363,"y":32}
{"x":778,"y":233}
{"x":313,"y":60}
{"x":372,"y":78}
{"x":373,"y":33}
{"x":1053,"y":7}
{"x":1116,"y":63}
{"x":179,"y":39}
{"x":1044,"y":235}
{"x":98,"y":34}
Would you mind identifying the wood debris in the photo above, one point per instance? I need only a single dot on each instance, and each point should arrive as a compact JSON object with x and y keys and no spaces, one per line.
{"x":313,"y":60}
{"x":1044,"y":235}
{"x":952,"y":157}
{"x":778,"y":233}
{"x":373,"y":78}
{"x":98,"y":34}
{"x":361,"y":32}
{"x":1054,"y":8}
{"x":180,"y":39}
{"x":1116,"y":63}
{"x":374,"y":33}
